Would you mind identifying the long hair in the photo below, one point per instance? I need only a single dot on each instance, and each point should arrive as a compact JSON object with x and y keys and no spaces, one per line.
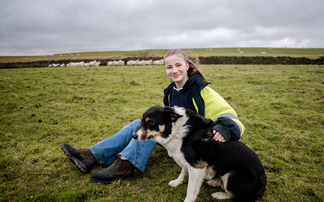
{"x":193,"y":61}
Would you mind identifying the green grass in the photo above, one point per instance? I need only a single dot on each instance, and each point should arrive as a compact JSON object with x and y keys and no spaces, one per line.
{"x":292,"y":52}
{"x":282,"y":108}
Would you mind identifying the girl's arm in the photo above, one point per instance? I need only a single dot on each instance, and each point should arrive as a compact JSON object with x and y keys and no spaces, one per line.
{"x":226,"y":124}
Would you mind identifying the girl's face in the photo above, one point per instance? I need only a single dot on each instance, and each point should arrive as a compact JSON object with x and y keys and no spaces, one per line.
{"x":176,"y":69}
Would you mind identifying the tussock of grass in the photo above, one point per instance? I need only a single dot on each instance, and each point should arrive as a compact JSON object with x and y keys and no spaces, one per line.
{"x":281,"y":106}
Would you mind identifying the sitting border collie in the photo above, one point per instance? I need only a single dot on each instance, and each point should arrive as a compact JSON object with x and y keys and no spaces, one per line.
{"x":188,"y":139}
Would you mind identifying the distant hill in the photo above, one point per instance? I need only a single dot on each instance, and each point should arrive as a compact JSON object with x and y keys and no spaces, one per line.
{"x":292,"y":52}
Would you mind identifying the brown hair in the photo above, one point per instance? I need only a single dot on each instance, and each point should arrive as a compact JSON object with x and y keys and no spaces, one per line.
{"x":193,"y":61}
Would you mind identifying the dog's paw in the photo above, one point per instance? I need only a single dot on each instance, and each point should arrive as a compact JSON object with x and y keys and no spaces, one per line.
{"x":188,"y":200}
{"x":215,"y":182}
{"x":175,"y":183}
{"x":222,"y":195}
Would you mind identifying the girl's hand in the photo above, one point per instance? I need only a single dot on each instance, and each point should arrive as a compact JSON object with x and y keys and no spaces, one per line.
{"x":218,"y":137}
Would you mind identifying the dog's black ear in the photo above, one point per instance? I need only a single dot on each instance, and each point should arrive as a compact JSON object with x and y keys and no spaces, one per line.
{"x":173,"y":115}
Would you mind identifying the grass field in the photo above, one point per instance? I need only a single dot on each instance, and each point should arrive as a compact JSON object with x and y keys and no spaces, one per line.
{"x":282,"y":108}
{"x":292,"y":52}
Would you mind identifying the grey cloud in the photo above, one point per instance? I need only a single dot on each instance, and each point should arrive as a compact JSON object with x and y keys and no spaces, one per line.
{"x":47,"y":27}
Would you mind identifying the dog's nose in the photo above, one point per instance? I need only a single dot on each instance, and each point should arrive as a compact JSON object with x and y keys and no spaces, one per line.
{"x":135,"y":136}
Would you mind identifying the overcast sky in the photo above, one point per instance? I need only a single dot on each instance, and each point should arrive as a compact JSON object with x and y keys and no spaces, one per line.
{"x":42,"y":27}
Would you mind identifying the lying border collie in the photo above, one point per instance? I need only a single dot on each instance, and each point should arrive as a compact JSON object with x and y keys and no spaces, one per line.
{"x":187,"y":137}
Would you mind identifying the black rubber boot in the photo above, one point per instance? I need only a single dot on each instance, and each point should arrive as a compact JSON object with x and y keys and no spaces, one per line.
{"x":120,"y":169}
{"x":83,"y":158}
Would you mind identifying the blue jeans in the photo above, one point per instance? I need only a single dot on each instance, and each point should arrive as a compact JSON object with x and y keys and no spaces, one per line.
{"x":138,"y":153}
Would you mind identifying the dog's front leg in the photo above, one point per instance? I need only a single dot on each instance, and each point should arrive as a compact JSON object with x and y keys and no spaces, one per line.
{"x":196,"y":177}
{"x":179,"y":180}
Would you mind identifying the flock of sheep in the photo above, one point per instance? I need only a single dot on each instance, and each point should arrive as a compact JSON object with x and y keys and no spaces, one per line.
{"x":110,"y":63}
{"x":76,"y":64}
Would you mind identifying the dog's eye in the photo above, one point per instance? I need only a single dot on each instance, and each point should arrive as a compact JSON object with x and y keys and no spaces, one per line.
{"x":150,"y":123}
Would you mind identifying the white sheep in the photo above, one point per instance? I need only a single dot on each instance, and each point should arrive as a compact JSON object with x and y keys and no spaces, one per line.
{"x":158,"y":62}
{"x":140,"y":62}
{"x":147,"y":62}
{"x":132,"y":62}
{"x":117,"y":63}
{"x":92,"y":63}
{"x":77,"y":64}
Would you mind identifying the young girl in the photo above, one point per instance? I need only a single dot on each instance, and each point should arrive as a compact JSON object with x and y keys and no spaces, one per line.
{"x":189,"y":89}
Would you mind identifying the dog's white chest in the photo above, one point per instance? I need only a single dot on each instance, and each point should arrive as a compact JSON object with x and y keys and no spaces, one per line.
{"x":178,"y":157}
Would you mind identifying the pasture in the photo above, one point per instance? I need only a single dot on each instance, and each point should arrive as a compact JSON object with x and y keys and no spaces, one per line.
{"x":282,"y":108}
{"x":312,"y":53}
